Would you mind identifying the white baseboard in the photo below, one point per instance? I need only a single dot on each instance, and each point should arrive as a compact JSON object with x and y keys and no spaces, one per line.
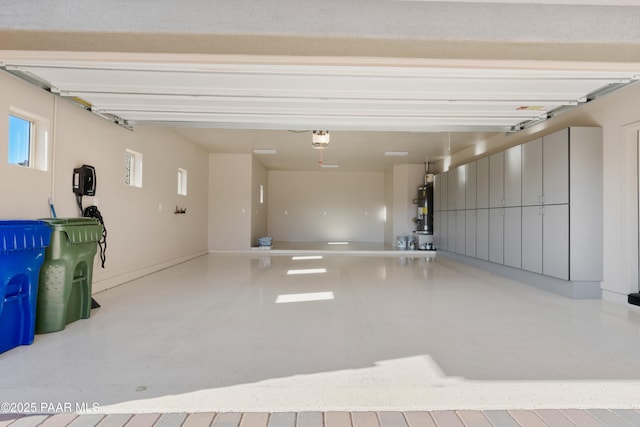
{"x":102,"y":284}
{"x":614,"y":297}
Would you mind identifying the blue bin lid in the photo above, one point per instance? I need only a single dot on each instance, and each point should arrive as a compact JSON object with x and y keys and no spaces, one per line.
{"x":20,"y":235}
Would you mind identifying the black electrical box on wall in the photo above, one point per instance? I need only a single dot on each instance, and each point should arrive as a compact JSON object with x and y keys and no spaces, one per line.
{"x":84,"y":181}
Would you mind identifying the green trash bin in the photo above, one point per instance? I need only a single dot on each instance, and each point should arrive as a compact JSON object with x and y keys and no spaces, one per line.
{"x":64,"y":288}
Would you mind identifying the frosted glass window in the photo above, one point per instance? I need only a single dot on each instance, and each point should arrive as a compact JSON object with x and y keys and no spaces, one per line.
{"x":182,"y":182}
{"x":133,"y":168}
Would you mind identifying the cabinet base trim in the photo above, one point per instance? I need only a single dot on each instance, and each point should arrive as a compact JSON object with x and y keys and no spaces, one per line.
{"x":566,"y":288}
{"x":634,"y":299}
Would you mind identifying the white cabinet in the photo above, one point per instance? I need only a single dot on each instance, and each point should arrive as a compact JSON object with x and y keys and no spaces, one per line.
{"x":545,"y":170}
{"x":496,"y":180}
{"x":482,"y":234}
{"x":513,"y":237}
{"x":470,"y":232}
{"x":532,"y":238}
{"x":444,"y":191}
{"x":456,"y":225}
{"x":470,"y":186}
{"x":443,"y":230}
{"x":545,"y":240}
{"x":505,"y":238}
{"x":451,"y":231}
{"x":461,"y":223}
{"x":461,"y":182}
{"x":555,"y":241}
{"x":586,"y":202}
{"x":536,"y":207}
{"x":437,"y":190}
{"x":555,"y":167}
{"x":437,"y":238}
{"x":496,"y":235}
{"x":532,"y":173}
{"x":452,"y":187}
{"x":513,"y":176}
{"x":456,"y":188}
{"x":482,"y":183}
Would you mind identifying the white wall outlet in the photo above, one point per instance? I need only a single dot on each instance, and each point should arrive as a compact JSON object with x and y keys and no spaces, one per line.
{"x":159,"y":206}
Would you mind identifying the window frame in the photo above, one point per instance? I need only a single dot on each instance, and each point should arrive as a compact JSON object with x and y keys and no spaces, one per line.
{"x":183,"y":181}
{"x":30,"y":142}
{"x":38,"y":139}
{"x":133,"y":161}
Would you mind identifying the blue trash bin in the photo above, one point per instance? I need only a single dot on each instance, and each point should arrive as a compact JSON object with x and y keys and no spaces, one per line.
{"x":22,"y":247}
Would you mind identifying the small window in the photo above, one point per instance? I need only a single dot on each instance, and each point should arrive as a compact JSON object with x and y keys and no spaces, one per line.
{"x":133,"y":168}
{"x":261,"y":194}
{"x":20,"y":141}
{"x":28,"y":139}
{"x":182,"y":182}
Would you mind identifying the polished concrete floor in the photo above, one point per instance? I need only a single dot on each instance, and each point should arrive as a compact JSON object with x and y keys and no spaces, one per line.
{"x":273,"y":333}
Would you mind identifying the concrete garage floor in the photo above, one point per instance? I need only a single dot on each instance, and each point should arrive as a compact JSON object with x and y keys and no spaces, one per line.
{"x":254,"y":333}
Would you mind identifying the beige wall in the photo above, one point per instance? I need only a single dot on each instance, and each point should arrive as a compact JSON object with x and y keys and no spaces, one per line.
{"x":259,"y":177}
{"x":406,"y":180}
{"x":230,"y":201}
{"x":325,"y":206}
{"x":142,"y":238}
{"x":389,"y":238}
{"x":23,"y":191}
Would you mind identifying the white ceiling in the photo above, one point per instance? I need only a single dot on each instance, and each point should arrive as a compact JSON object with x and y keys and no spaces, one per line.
{"x":428,"y":77}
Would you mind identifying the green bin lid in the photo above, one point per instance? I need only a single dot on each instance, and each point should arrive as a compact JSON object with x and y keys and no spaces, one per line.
{"x":78,"y":230}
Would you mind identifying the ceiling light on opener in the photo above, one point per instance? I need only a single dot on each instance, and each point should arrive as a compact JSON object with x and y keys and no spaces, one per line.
{"x":320,"y":139}
{"x":396,"y":153}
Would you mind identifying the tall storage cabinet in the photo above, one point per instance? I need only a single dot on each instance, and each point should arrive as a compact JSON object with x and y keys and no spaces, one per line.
{"x":537,"y":208}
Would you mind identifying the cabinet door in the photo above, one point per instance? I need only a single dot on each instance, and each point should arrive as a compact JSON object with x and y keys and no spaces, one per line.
{"x":513,"y":237}
{"x":513,"y":176}
{"x":470,"y":187}
{"x":532,"y":173}
{"x":482,"y":183}
{"x":555,"y":168}
{"x":482,"y":234}
{"x":470,"y":232}
{"x":532,"y":238}
{"x":451,"y":231}
{"x":444,"y":191}
{"x":461,"y":225}
{"x":444,"y":231}
{"x":496,"y":235}
{"x":437,"y":189}
{"x":452,"y":177}
{"x":555,"y":241}
{"x":437,"y":225}
{"x":496,"y":180}
{"x":461,"y":182}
